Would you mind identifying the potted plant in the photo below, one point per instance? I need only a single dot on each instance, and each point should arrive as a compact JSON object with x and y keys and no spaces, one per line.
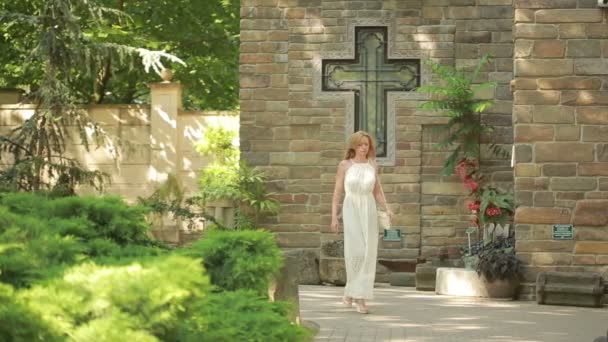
{"x":490,"y":206}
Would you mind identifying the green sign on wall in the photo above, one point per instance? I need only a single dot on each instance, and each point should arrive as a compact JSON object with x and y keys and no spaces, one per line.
{"x":563,"y":232}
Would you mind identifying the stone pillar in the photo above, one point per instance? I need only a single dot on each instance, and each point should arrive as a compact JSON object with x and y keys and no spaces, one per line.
{"x":165,"y":103}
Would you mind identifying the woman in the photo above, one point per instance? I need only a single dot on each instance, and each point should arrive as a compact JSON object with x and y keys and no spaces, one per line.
{"x":358,"y":176}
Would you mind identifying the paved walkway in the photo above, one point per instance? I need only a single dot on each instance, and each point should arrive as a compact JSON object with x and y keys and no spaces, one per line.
{"x":404,"y":314}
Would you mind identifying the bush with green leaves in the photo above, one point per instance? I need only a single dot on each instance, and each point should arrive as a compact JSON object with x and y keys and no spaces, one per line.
{"x":36,"y":244}
{"x":241,"y":259}
{"x":18,"y":323}
{"x":92,"y":217}
{"x":241,"y":315}
{"x":146,"y":300}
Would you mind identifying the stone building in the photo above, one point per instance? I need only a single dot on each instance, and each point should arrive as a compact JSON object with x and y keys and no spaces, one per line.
{"x":301,"y":59}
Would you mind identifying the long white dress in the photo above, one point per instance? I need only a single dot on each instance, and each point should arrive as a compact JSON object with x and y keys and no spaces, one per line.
{"x":360,"y":230}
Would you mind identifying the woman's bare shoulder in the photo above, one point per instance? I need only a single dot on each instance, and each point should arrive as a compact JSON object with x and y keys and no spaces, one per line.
{"x":343,"y":164}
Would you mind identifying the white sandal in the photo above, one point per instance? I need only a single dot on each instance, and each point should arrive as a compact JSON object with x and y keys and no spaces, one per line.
{"x":361,"y":308}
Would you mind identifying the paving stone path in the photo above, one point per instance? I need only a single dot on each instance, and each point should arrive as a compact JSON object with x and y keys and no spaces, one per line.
{"x":401,"y":314}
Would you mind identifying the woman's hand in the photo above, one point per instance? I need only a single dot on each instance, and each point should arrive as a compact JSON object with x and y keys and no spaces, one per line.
{"x":390,"y":214}
{"x":335,"y":225}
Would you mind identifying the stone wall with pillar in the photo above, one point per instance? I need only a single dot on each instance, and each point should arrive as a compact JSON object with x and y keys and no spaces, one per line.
{"x":152,"y":142}
{"x":296,"y":131}
{"x":561,"y":134}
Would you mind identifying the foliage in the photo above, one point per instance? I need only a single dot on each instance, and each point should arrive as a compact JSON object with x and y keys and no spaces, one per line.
{"x":58,"y":53}
{"x":40,"y":236}
{"x":147,"y":300}
{"x":498,"y":261}
{"x":209,"y":46}
{"x":242,"y":259}
{"x":456,"y":100}
{"x":219,"y":142}
{"x":227,"y":178}
{"x":488,"y":203}
{"x":169,"y":198}
{"x":18,"y":323}
{"x":242,"y":315}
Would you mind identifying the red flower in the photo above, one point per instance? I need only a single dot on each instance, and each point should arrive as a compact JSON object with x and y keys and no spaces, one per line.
{"x":471,"y":184}
{"x":493,"y":211}
{"x":473,"y":206}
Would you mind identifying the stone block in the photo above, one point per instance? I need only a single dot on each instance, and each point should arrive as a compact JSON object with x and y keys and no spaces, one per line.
{"x":549,"y":49}
{"x":595,"y":133}
{"x":533,"y":133}
{"x":524,"y":16}
{"x":572,"y":82}
{"x":567,"y":133}
{"x":559,"y":170}
{"x":592,"y":213}
{"x":554,"y":152}
{"x":591,"y":66}
{"x":584,"y":48}
{"x":332,"y":271}
{"x":593,"y":169}
{"x":592,"y":115}
{"x":569,"y":15}
{"x":543,"y":67}
{"x":545,"y":3}
{"x":443,"y":188}
{"x":305,"y":264}
{"x":553,"y":114}
{"x":571,"y":31}
{"x":542,"y":215}
{"x":573,"y":184}
{"x":534,"y":97}
{"x":402,"y":279}
{"x":569,"y":288}
{"x":523,"y":153}
{"x":425,"y":277}
{"x":523,"y":48}
{"x":535,"y":31}
{"x":298,"y":240}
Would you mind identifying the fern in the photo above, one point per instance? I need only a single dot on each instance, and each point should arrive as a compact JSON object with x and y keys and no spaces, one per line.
{"x":455,"y":99}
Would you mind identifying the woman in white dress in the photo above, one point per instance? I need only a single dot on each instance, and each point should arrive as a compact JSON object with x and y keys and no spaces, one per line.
{"x":357,"y":176}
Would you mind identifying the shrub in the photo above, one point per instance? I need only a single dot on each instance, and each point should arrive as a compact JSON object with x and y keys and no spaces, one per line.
{"x":241,"y":315}
{"x":20,"y":324}
{"x":149,"y":299}
{"x":239,"y":259}
{"x":95,"y":217}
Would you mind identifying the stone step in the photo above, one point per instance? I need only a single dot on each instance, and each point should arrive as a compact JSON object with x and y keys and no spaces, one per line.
{"x":399,"y":265}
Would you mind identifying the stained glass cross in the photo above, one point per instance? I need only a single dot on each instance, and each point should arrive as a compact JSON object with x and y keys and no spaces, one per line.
{"x":371,"y":75}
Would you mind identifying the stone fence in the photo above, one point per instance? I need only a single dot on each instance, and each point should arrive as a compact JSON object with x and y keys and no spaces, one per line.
{"x":153,"y":142}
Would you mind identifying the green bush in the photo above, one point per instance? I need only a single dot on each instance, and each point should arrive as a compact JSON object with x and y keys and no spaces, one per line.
{"x":31,"y":251}
{"x":20,"y":324}
{"x":147,"y":300}
{"x":239,"y":259}
{"x":84,"y":217}
{"x":241,"y":315}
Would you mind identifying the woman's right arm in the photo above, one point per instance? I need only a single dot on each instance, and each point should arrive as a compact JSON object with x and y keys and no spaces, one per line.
{"x":338,"y":190}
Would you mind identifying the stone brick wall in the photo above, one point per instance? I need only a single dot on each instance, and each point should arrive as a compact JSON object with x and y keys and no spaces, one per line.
{"x":295,"y":131}
{"x":561,"y":134}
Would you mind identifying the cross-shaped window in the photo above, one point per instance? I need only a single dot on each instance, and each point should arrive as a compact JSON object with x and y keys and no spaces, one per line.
{"x":371,"y":75}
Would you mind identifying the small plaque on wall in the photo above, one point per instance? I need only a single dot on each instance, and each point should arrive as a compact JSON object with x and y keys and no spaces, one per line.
{"x":563,"y":232}
{"x":392,"y":234}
